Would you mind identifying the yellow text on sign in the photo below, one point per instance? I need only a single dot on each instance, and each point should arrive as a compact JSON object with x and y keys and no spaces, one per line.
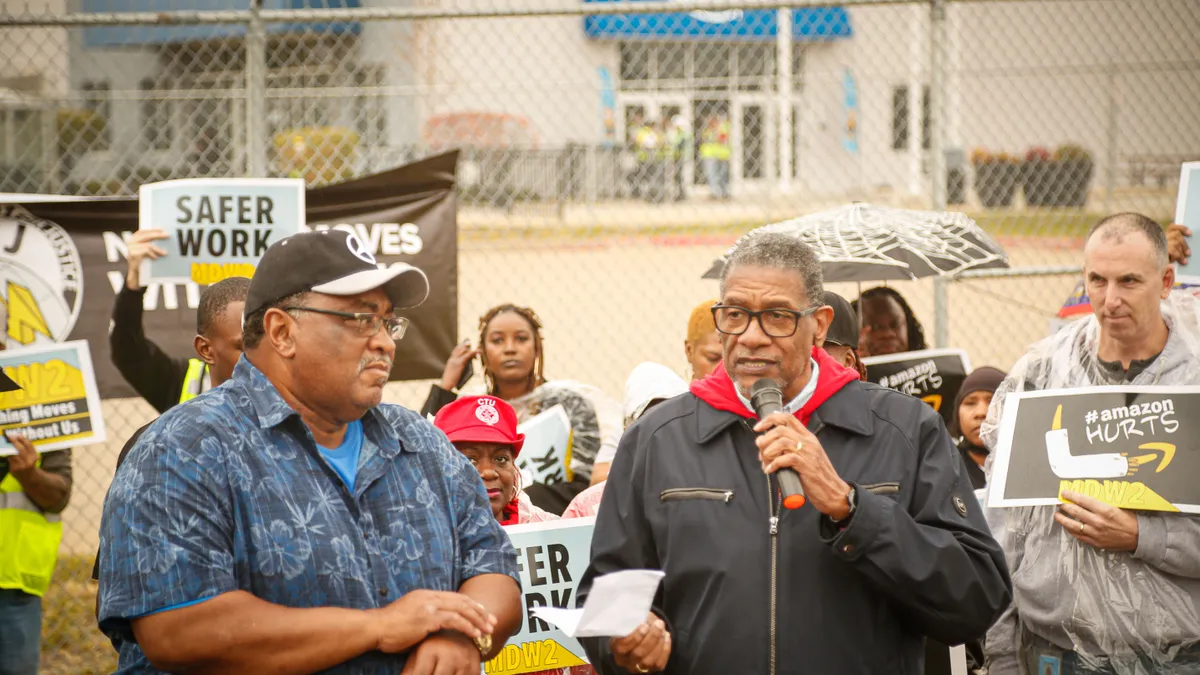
{"x":1120,"y":493}
{"x":43,"y":382}
{"x":531,"y":657}
{"x":207,"y":274}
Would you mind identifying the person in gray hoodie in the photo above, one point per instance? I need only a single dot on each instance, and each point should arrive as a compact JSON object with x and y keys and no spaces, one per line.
{"x":1098,"y":589}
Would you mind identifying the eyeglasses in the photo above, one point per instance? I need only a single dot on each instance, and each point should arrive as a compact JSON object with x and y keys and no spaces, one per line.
{"x":779,"y":323}
{"x":368,"y":323}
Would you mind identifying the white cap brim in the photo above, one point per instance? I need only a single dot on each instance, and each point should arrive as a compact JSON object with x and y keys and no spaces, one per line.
{"x":405,"y":285}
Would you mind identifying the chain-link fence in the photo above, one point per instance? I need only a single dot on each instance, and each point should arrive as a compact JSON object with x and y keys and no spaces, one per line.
{"x":612,"y":150}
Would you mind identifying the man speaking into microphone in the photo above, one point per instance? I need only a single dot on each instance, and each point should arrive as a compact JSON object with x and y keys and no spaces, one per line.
{"x":873,"y":543}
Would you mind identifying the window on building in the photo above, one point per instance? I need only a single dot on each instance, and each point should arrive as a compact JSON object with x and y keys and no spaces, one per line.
{"x":672,"y":65}
{"x":901,"y":120}
{"x":371,"y":116}
{"x":157,"y":130}
{"x":900,"y":113}
{"x":755,"y":67}
{"x":97,"y":97}
{"x":714,"y":66}
{"x":635,"y":63}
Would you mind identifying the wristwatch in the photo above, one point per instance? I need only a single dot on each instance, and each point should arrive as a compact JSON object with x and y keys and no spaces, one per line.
{"x":852,"y":499}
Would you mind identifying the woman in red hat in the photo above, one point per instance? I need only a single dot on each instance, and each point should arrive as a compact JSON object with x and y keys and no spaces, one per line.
{"x":484,"y":429}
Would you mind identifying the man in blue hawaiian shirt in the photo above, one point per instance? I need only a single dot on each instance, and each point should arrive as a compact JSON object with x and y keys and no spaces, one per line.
{"x":287,"y":521}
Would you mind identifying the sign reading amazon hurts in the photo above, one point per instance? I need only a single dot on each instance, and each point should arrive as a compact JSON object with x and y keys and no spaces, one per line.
{"x":58,"y":404}
{"x":1132,"y":447}
{"x":551,"y":558}
{"x":932,"y":375}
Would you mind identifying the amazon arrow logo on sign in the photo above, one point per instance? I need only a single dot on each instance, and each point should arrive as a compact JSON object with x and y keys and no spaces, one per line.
{"x":1131,"y":447}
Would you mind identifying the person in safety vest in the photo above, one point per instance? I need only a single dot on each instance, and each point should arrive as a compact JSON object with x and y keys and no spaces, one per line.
{"x":218,"y":323}
{"x":715,"y":151}
{"x":678,"y":139}
{"x":34,"y":490}
{"x":160,"y":378}
{"x":647,"y":145}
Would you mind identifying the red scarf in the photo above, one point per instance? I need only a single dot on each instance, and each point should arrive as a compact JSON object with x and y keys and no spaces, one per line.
{"x":718,"y":390}
{"x":511,"y":513}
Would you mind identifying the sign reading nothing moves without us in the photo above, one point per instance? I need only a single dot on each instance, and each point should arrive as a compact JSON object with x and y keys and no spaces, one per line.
{"x":58,"y":405}
{"x":62,"y":264}
{"x":932,"y":375}
{"x":1131,"y":447}
{"x":217,"y":228}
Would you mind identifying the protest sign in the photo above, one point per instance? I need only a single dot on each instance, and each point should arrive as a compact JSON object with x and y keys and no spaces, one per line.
{"x":1187,"y":213}
{"x":546,"y":455}
{"x":932,"y":375}
{"x":62,"y":263}
{"x":217,"y":228}
{"x":1131,"y":447}
{"x":58,"y":404}
{"x":551,"y":558}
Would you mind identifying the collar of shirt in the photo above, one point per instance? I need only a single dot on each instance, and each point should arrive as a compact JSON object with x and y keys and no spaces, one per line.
{"x":271,"y":410}
{"x":1116,"y":371}
{"x":793,"y":406}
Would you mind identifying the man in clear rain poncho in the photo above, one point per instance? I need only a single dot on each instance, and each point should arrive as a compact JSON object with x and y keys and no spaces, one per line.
{"x":1097,"y":589}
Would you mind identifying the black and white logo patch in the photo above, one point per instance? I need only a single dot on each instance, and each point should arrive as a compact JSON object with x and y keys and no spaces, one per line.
{"x":41,"y":282}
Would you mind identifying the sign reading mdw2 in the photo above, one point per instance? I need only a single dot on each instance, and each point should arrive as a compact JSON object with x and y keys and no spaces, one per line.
{"x":217,"y":227}
{"x":552,"y":558}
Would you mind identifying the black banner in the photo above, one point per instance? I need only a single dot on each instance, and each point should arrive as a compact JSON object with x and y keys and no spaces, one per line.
{"x":932,"y":375}
{"x":62,"y":263}
{"x":1132,"y":447}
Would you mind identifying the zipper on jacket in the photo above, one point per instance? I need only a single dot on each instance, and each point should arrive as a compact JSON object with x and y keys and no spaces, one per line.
{"x":673,"y":494}
{"x":882,"y":488}
{"x":773,"y":507}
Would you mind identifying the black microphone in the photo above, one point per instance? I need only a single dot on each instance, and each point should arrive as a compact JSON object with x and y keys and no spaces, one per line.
{"x":767,"y":399}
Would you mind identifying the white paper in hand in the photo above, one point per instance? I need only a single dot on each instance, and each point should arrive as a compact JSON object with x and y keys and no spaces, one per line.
{"x":618,"y":604}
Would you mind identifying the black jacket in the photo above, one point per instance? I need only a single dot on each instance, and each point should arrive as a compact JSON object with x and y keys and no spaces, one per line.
{"x":155,"y":375}
{"x":687,"y":495}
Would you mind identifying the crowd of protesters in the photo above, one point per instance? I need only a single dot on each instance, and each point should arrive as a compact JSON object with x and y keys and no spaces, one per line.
{"x":279,"y":517}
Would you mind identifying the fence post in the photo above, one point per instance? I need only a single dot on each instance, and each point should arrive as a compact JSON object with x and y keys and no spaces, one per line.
{"x":941,"y":312}
{"x":937,"y":101}
{"x":783,"y":90}
{"x":937,"y":150}
{"x":256,"y":93}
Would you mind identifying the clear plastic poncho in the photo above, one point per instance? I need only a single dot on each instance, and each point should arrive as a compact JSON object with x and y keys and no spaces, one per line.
{"x":1136,"y":613}
{"x":595,"y":418}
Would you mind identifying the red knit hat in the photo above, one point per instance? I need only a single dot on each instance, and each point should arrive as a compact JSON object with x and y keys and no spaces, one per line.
{"x":480,"y":419}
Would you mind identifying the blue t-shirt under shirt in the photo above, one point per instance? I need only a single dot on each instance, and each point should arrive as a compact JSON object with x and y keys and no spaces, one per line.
{"x":344,"y":458}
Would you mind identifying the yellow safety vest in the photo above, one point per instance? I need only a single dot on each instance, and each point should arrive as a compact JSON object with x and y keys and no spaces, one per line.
{"x":29,"y":539}
{"x":711,"y":145}
{"x":193,"y":382}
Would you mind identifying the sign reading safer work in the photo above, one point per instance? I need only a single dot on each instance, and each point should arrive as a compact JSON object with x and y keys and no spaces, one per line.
{"x":552,"y":558}
{"x":1131,"y":447}
{"x":217,"y":227}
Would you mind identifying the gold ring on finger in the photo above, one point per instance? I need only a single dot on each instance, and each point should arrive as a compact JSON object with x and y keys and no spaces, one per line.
{"x":642,"y":669}
{"x":1081,"y":526}
{"x":799,"y":445}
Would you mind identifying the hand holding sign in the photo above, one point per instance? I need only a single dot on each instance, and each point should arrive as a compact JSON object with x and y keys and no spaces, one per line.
{"x":1177,"y":247}
{"x":1098,"y":524}
{"x":138,"y":249}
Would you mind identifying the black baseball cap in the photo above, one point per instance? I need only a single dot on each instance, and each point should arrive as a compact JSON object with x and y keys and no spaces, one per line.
{"x":844,"y":329}
{"x":333,"y":262}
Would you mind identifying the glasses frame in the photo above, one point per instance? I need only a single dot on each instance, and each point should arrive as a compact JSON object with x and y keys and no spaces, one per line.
{"x":397,"y":325}
{"x":797,"y":314}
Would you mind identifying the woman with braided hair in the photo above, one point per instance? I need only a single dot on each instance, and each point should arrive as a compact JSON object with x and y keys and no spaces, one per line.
{"x":510,"y":351}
